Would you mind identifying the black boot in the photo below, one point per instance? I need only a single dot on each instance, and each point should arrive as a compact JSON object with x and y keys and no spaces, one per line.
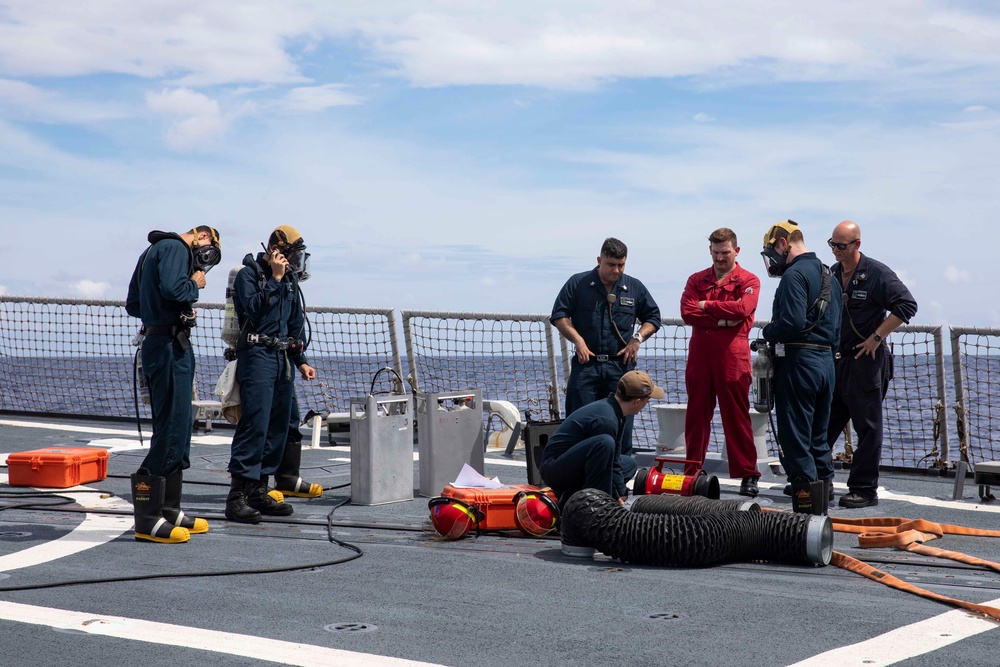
{"x":259,"y":499}
{"x":147,"y":503}
{"x":809,"y":496}
{"x":172,"y":511}
{"x":237,"y":508}
{"x":287,"y":479}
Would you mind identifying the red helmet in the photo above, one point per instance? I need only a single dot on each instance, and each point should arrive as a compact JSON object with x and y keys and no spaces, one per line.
{"x":453,"y":518}
{"x":535,"y":513}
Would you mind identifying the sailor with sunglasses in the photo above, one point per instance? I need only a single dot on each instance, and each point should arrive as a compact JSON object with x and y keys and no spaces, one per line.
{"x":875,"y":302}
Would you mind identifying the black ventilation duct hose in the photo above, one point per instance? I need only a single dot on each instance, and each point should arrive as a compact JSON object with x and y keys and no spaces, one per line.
{"x":690,"y":505}
{"x":593,"y":520}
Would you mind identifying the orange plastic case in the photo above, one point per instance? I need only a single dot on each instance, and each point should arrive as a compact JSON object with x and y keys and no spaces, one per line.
{"x":496,"y":504}
{"x":57,"y":467}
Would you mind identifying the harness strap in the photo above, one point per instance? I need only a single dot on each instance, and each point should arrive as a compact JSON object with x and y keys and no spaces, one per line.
{"x":910,"y":535}
{"x":865,"y":570}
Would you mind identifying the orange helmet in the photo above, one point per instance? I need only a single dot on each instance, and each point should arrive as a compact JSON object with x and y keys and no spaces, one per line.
{"x":453,"y":518}
{"x":535,"y":513}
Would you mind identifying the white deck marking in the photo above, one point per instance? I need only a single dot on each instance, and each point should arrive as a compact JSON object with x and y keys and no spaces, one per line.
{"x":906,"y":642}
{"x":248,"y":646}
{"x":93,"y":531}
{"x":99,"y":430}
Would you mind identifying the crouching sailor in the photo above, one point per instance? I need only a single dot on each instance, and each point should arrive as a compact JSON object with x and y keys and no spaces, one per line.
{"x":163,"y":288}
{"x":268,"y":306}
{"x":586,"y":451}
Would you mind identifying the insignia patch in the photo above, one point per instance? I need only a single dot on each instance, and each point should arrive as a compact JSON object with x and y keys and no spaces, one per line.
{"x":627,"y":301}
{"x":748,"y":290}
{"x":863,"y":276}
{"x":859,"y":294}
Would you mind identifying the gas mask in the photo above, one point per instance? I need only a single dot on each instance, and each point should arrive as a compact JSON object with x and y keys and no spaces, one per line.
{"x":774,"y":262}
{"x":297,"y":258}
{"x":205,"y":257}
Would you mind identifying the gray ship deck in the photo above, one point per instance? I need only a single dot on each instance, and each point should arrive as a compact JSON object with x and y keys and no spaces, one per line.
{"x":495,"y":600}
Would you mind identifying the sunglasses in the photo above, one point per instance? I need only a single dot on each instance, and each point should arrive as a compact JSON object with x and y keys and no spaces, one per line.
{"x":841,"y":246}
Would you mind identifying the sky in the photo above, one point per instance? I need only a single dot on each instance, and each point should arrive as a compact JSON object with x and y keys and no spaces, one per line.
{"x":466,"y":156}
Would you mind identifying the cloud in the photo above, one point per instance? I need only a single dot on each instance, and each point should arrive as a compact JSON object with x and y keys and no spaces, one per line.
{"x":977,"y":107}
{"x":702,"y":117}
{"x":570,"y":45}
{"x":3,"y":290}
{"x":196,"y":119}
{"x":204,"y":44}
{"x":89,"y":289}
{"x":317,"y":98}
{"x":955,"y":275}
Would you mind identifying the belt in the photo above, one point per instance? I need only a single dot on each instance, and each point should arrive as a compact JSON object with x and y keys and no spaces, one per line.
{"x":810,"y":346}
{"x":164,"y":330}
{"x":272,"y":342}
{"x":178,"y":332}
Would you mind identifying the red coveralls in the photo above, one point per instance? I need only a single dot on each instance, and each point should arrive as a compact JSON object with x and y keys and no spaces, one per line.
{"x":718,"y":365}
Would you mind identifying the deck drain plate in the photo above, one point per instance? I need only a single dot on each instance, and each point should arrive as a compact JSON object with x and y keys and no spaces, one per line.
{"x":350,"y":627}
{"x":665,"y":616}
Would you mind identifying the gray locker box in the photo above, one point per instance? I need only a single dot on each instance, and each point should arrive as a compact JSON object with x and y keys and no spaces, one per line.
{"x":381,"y":449}
{"x":449,"y":434}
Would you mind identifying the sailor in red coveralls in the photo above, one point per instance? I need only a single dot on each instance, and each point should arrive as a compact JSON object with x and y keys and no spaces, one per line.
{"x":719,"y":304}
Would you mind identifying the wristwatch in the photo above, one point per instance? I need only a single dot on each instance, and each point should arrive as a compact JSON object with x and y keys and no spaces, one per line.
{"x":878,"y":339}
{"x":637,"y":336}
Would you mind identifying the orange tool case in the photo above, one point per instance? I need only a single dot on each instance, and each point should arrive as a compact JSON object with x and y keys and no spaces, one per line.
{"x":57,"y":467}
{"x":496,"y":504}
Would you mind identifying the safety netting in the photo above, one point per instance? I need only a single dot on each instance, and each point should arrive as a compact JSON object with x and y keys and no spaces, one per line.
{"x":74,"y":357}
{"x":977,"y":420}
{"x":509,"y":357}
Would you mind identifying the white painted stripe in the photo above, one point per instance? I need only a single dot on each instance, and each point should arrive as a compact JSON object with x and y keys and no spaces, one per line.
{"x":94,"y":530}
{"x":100,"y":430}
{"x":906,"y":642}
{"x":248,"y":646}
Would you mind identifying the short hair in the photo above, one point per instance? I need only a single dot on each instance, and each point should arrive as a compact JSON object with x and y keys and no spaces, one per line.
{"x":614,"y":248}
{"x":723,"y":234}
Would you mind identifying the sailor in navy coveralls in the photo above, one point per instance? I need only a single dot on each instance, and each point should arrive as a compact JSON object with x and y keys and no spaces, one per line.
{"x":597,"y":311}
{"x":586,"y":451}
{"x":805,"y":332}
{"x":864,"y":363}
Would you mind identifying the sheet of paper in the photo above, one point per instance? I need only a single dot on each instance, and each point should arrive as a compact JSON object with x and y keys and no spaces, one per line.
{"x":468,"y":478}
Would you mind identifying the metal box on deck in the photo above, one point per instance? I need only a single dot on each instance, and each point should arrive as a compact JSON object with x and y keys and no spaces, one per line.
{"x":381,"y":449}
{"x":449,"y":434}
{"x":536,"y":436}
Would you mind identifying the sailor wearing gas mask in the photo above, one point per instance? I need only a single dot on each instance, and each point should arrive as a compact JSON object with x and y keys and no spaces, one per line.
{"x":805,"y":333}
{"x":597,"y":311}
{"x":163,"y":288}
{"x":270,"y":347}
{"x":864,"y":361}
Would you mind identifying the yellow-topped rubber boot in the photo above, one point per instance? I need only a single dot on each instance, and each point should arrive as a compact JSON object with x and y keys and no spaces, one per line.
{"x":172,"y":511}
{"x":147,"y":506}
{"x":295,"y":486}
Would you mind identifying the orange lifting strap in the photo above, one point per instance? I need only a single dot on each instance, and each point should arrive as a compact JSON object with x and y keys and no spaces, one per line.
{"x":910,"y":535}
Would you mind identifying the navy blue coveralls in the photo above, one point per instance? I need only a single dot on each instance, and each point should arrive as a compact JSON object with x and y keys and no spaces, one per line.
{"x":265,"y":374}
{"x":862,"y":383}
{"x":584,"y":300}
{"x":586,"y":452}
{"x":160,"y":290}
{"x":804,"y":377}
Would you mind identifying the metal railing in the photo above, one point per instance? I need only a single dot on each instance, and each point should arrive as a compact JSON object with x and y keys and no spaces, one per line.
{"x":74,"y":357}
